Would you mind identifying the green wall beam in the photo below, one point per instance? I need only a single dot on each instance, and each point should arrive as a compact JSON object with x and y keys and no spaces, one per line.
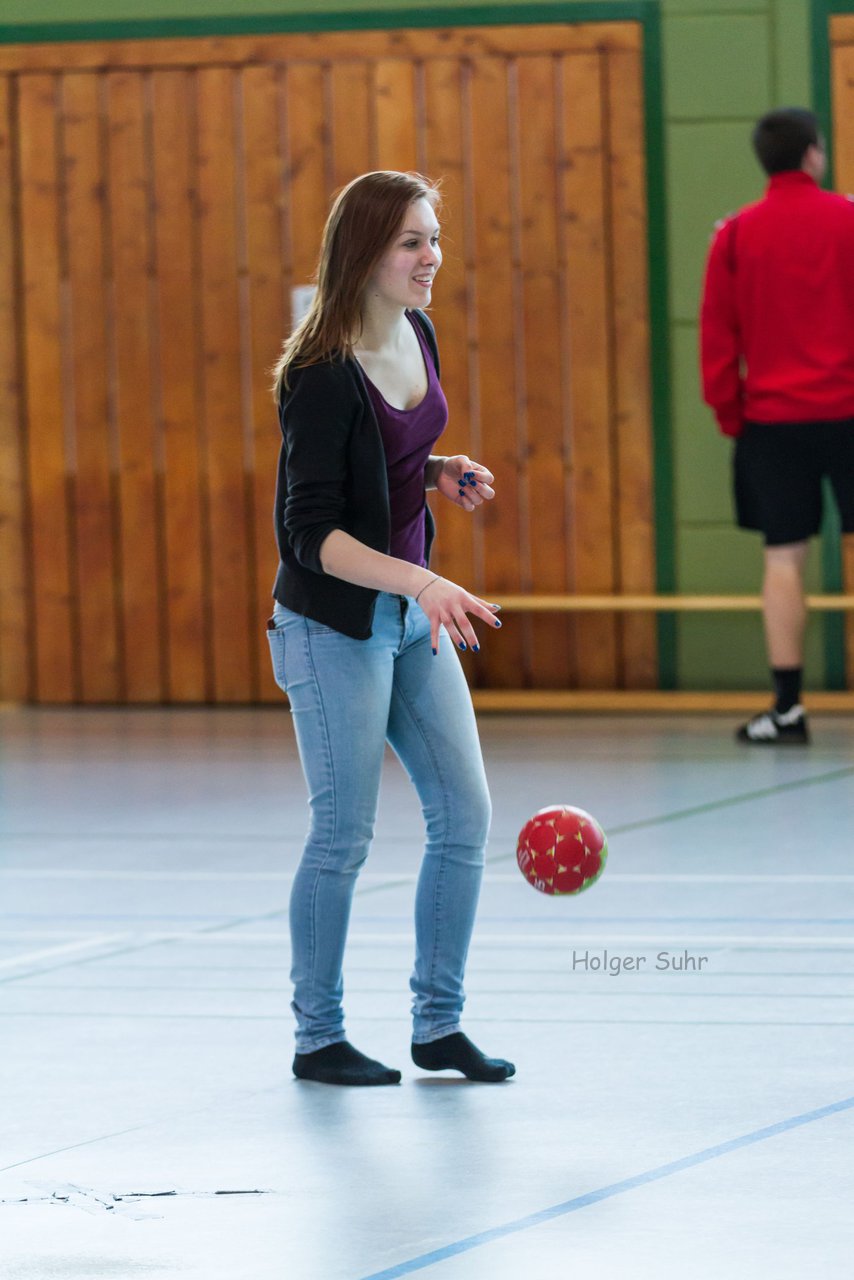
{"x":831,"y":542}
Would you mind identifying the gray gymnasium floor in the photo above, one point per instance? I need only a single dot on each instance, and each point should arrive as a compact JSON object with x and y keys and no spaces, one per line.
{"x":663,"y":1123}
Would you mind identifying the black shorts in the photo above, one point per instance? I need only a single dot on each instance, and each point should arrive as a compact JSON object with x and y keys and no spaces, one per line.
{"x":778,"y":469}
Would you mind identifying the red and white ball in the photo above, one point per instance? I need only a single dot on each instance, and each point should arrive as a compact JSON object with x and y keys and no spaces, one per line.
{"x":562,"y":850}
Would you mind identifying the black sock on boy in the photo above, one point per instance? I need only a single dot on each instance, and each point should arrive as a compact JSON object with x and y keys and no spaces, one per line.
{"x":787,"y":687}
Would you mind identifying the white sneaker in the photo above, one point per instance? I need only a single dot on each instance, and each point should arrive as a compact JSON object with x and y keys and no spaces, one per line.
{"x":773,"y":729}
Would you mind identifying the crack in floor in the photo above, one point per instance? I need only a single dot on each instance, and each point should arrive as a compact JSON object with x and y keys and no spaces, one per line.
{"x":92,"y":1201}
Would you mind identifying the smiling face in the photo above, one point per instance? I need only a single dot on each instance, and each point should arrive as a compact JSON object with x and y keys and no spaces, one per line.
{"x":404,"y":275}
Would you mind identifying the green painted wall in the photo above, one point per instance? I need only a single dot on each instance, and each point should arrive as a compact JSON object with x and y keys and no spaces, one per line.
{"x":724,"y":63}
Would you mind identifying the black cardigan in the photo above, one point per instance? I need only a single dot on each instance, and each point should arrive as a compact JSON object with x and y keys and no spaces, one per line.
{"x":332,"y":475}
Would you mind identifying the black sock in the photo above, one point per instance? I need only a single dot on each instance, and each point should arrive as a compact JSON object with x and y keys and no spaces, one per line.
{"x":456,"y":1052}
{"x":787,"y":687}
{"x":340,"y":1063}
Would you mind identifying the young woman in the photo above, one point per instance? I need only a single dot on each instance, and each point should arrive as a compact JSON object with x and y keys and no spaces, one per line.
{"x":356,"y":631}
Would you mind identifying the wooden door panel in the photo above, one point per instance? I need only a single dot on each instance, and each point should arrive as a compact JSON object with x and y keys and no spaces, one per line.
{"x":170,"y":196}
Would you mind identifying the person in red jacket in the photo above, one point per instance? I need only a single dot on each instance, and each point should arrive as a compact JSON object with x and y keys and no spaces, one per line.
{"x":777,"y":356}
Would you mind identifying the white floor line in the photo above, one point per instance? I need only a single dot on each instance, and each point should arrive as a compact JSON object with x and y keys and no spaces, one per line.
{"x":28,"y":935}
{"x":393,"y":877}
{"x":67,"y":873}
{"x":46,"y":953}
{"x":661,"y":940}
{"x":543,"y":940}
{"x":575,"y":938}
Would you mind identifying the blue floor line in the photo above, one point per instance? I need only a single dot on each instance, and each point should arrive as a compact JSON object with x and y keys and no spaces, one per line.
{"x":605,"y":1193}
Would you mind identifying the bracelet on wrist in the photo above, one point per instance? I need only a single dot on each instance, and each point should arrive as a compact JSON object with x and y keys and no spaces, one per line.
{"x":426,"y":585}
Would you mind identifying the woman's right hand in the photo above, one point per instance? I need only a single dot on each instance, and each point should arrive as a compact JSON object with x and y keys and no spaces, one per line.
{"x":447,"y":605}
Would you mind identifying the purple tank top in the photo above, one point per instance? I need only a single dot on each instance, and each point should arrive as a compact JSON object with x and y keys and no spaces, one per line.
{"x":408,"y":437}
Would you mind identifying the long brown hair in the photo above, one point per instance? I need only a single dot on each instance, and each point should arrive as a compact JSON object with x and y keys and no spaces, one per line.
{"x":365,"y":218}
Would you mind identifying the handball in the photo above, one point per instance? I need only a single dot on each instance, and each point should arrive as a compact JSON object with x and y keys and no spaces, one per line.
{"x":562,"y":850}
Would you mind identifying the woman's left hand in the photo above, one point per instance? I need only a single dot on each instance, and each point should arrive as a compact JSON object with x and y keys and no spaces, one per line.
{"x":465,"y":483}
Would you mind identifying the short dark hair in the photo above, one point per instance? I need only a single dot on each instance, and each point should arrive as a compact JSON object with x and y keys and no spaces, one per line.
{"x":781,"y":138}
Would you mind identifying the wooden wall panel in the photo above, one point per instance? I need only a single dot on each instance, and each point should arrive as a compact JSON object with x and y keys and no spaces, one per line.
{"x":138,"y":460}
{"x":500,"y":41}
{"x":352,"y":122}
{"x":189,"y":674}
{"x":15,"y":668}
{"x":587,"y":280}
{"x":632,"y":436}
{"x":307,"y":180}
{"x":101,"y":629}
{"x":395,"y":115}
{"x":544,"y":337}
{"x":45,"y":406}
{"x":267,"y":284}
{"x":224,"y":444}
{"x":458,"y":553}
{"x":171,"y":196}
{"x":505,"y":565}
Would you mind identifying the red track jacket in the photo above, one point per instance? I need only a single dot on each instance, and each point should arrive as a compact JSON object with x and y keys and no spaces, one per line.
{"x":777,"y":319}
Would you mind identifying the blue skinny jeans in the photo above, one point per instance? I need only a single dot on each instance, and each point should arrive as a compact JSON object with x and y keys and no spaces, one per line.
{"x":348,"y":697}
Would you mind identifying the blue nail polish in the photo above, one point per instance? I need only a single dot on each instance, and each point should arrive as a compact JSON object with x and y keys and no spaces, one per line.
{"x":468,"y":474}
{"x":463,"y":644}
{"x":473,"y":483}
{"x":497,"y":623}
{"x":475,"y":648}
{"x":435,"y":651}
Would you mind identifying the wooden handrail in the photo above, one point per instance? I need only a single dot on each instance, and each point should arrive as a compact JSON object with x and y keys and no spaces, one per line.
{"x":655,"y":603}
{"x":645,"y":701}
